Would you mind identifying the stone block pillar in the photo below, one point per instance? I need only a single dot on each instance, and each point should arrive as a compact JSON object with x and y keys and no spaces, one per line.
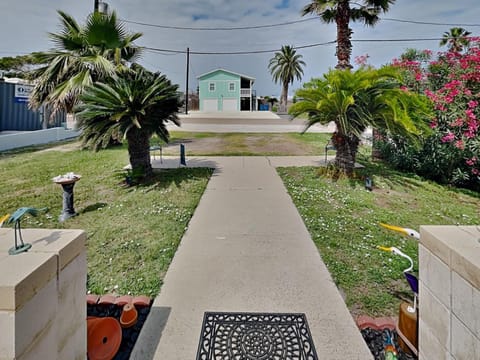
{"x":42,"y":296}
{"x":449,"y":293}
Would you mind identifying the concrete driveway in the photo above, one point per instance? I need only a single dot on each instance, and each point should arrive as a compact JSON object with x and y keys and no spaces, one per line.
{"x":243,"y":121}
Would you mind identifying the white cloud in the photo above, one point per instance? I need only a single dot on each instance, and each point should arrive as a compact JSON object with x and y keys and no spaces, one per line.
{"x":25,"y":23}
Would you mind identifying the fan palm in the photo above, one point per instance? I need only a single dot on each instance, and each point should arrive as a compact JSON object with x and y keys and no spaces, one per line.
{"x":456,"y":39}
{"x":285,"y":67}
{"x":82,"y":55}
{"x":356,"y":100}
{"x":135,"y":104}
{"x":341,"y":12}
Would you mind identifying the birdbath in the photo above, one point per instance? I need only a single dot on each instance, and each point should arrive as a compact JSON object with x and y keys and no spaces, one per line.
{"x":68,"y":182}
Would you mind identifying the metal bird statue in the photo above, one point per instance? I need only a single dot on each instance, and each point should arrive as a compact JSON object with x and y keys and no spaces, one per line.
{"x":404,"y":231}
{"x":411,"y":279}
{"x":15,"y":218}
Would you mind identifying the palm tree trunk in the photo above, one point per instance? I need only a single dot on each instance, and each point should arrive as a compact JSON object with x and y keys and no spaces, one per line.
{"x":284,"y":97}
{"x":344,"y":45}
{"x":347,"y":147}
{"x":139,"y":151}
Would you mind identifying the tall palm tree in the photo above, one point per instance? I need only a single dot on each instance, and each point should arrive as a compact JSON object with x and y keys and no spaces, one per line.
{"x":341,"y":12}
{"x":285,"y":67}
{"x":82,"y":55}
{"x":356,"y":100}
{"x":134,"y":105}
{"x":456,"y":39}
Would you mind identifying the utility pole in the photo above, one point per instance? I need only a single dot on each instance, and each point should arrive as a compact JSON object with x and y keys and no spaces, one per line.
{"x":186,"y":87}
{"x":95,"y":5}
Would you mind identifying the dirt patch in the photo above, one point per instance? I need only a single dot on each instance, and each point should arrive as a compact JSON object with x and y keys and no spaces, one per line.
{"x":196,"y":146}
{"x":64,"y":147}
{"x":275,"y":144}
{"x":271,"y":144}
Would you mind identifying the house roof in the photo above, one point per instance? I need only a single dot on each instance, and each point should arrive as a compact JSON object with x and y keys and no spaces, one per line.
{"x":227,"y":71}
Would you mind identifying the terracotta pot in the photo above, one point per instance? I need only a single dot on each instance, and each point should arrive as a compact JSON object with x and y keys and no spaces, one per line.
{"x":129,"y":316}
{"x":104,"y":336}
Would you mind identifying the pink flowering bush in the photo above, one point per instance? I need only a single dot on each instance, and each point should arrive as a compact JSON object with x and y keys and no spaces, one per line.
{"x":452,"y":82}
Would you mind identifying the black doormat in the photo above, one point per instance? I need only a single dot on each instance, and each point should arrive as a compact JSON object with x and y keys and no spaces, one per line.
{"x":255,"y":336}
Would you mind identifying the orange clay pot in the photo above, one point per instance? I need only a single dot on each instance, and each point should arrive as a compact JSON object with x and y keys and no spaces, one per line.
{"x":129,"y":316}
{"x":104,"y":336}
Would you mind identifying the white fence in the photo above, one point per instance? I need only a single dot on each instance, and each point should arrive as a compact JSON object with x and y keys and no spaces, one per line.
{"x":15,"y":140}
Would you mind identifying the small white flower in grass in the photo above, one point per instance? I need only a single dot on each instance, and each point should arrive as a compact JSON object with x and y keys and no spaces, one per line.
{"x":115,"y":287}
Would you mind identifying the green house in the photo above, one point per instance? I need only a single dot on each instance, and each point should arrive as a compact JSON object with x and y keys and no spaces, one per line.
{"x":223,"y":90}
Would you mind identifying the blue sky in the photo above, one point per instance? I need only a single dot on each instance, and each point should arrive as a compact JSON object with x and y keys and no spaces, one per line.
{"x":25,"y":24}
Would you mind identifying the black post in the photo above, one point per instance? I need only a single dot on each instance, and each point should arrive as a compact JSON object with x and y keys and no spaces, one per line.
{"x":95,"y":5}
{"x":68,"y":210}
{"x":186,"y":91}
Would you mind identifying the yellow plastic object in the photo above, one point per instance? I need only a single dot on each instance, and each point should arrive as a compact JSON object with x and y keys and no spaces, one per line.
{"x":3,"y":219}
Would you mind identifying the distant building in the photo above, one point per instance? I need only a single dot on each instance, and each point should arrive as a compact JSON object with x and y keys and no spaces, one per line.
{"x":223,"y":90}
{"x":15,"y":115}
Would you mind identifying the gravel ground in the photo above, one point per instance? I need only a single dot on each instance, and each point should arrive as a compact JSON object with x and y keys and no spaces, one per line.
{"x":376,"y":340}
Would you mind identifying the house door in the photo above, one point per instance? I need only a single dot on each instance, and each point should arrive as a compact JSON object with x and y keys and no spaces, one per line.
{"x":230,"y":105}
{"x":210,"y":105}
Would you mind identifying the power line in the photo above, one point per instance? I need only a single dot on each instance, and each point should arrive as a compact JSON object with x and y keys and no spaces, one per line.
{"x":396,"y":40}
{"x":226,"y":28}
{"x":426,"y":22}
{"x":233,"y":52}
{"x":218,"y":28}
{"x":295,"y":47}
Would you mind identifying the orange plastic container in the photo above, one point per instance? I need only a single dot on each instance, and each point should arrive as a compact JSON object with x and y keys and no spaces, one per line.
{"x":104,"y":336}
{"x":129,"y":316}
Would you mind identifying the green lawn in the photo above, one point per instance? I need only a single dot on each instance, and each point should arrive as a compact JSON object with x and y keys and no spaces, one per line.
{"x":343,"y":219}
{"x":133,"y":232}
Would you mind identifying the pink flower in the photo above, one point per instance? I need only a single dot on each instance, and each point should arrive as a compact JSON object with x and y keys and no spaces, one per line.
{"x":457,"y":123}
{"x":472,"y":104}
{"x":475,"y":172}
{"x":470,"y":114}
{"x":459,"y":144}
{"x":448,"y":138}
{"x":472,"y":161}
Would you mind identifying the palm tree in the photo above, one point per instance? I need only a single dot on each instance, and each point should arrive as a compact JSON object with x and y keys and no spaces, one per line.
{"x":356,"y":100}
{"x":285,"y":66}
{"x":134,"y":105}
{"x":341,"y":12}
{"x":456,"y":39}
{"x":82,"y":55}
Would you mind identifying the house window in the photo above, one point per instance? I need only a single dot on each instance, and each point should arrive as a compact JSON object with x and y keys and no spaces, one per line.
{"x":211,"y":86}
{"x":231,"y":86}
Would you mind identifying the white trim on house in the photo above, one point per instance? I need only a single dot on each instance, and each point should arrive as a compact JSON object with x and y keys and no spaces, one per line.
{"x":228,"y":71}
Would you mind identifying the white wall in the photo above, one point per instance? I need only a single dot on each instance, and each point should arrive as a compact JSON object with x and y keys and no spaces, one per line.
{"x":28,"y":138}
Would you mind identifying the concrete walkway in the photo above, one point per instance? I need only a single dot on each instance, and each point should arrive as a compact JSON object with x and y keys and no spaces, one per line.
{"x":247,"y":250}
